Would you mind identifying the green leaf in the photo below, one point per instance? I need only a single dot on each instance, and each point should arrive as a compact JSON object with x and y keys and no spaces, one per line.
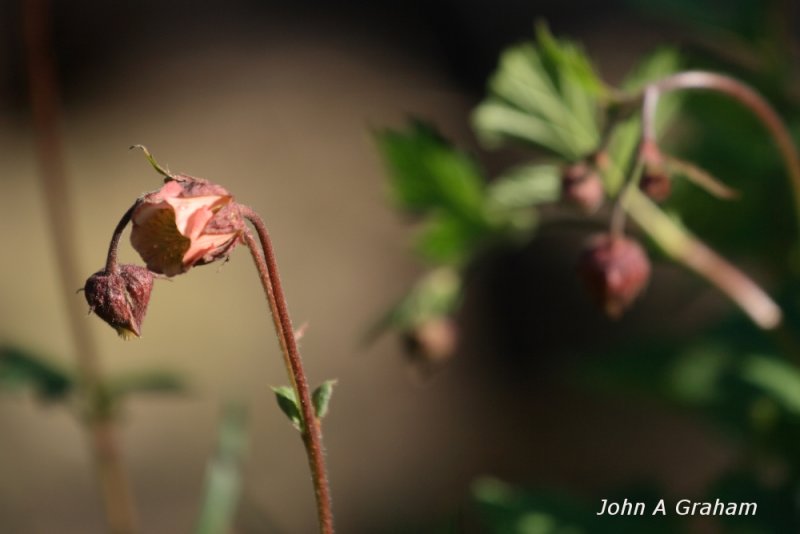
{"x":20,"y":368}
{"x":525,"y":186}
{"x":659,"y":64}
{"x":223,"y":484}
{"x":428,"y":174}
{"x":322,"y":398}
{"x":445,"y":239}
{"x":546,"y":95}
{"x":287,"y":402}
{"x":508,"y":510}
{"x":778,"y":378}
{"x":158,"y":381}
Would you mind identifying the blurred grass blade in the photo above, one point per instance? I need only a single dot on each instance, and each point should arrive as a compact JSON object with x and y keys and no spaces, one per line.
{"x":20,"y":368}
{"x":224,"y":474}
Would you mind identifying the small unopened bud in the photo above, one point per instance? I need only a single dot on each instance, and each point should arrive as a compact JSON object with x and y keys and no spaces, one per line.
{"x":615,"y":270}
{"x":120,"y":298}
{"x":655,"y":181}
{"x":656,"y":184}
{"x":432,"y":342}
{"x":581,"y":186}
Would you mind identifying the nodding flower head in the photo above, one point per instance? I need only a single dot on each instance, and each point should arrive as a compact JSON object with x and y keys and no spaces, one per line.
{"x":615,"y":270}
{"x":188,"y":222}
{"x":120,"y":297}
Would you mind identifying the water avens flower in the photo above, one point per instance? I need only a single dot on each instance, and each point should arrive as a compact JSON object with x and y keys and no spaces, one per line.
{"x":615,"y":270}
{"x":188,"y":222}
{"x":120,"y":297}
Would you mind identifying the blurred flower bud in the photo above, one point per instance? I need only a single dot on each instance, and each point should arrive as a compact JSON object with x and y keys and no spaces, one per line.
{"x":656,"y":184}
{"x":655,"y":181}
{"x":432,"y":342}
{"x":188,"y":222}
{"x":615,"y":270}
{"x":581,"y":186}
{"x":120,"y":298}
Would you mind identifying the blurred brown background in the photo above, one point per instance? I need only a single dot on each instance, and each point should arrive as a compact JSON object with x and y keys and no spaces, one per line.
{"x":276,"y":101}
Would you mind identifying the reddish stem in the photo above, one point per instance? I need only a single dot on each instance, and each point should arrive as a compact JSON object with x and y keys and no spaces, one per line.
{"x":311,"y":429}
{"x":45,"y":106}
{"x":111,"y":259}
{"x":710,"y":81}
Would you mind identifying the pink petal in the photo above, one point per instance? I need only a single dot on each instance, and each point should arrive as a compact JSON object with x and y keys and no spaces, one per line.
{"x":204,"y":244}
{"x":192,"y":214}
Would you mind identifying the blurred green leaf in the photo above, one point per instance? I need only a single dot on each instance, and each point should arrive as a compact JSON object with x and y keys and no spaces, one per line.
{"x":287,"y":402}
{"x":445,"y":239}
{"x":624,"y":139}
{"x":429,"y":174}
{"x":546,"y":95}
{"x":322,"y":398}
{"x":728,"y":377}
{"x":224,"y":474}
{"x":777,"y":378}
{"x":158,"y":381}
{"x":524,"y":186}
{"x":21,"y":369}
{"x":507,"y":510}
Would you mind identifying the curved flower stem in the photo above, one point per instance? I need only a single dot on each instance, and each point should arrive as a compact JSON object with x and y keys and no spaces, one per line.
{"x":103,"y":440}
{"x":684,"y":248}
{"x":311,"y":430}
{"x":111,"y":259}
{"x":710,"y":81}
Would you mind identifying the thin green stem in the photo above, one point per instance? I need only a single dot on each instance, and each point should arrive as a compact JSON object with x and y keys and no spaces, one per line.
{"x":311,"y":429}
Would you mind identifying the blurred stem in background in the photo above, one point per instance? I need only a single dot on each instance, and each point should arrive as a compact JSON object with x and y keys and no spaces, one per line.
{"x":101,"y":429}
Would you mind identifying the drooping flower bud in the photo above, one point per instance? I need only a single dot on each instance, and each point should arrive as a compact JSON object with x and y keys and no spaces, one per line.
{"x":432,"y":342}
{"x":656,"y":184}
{"x":188,"y":222}
{"x":655,"y":181}
{"x":120,"y":298}
{"x":581,"y":186}
{"x":615,"y":270}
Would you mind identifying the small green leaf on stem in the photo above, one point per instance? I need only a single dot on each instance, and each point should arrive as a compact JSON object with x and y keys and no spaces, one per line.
{"x":322,"y":398}
{"x":287,"y":402}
